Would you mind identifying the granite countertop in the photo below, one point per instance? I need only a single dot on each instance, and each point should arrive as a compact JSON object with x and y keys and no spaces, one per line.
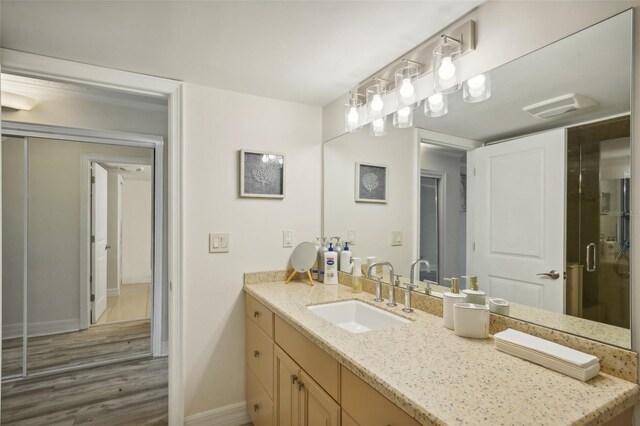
{"x":438,"y":377}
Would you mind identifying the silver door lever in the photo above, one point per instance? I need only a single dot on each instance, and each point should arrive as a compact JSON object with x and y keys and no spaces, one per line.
{"x":553,"y":274}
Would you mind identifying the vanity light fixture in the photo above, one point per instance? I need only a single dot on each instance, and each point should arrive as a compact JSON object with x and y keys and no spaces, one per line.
{"x":436,"y":105}
{"x":379,"y":126}
{"x":403,"y":117}
{"x":477,"y":89}
{"x":352,"y":113}
{"x":405,"y":77}
{"x":375,"y":104}
{"x":445,"y":65}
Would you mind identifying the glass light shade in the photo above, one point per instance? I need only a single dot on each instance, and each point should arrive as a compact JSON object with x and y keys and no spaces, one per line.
{"x":403,"y":117}
{"x":379,"y":126}
{"x":477,"y":89}
{"x":405,"y":84}
{"x":352,"y":117}
{"x":436,"y":105}
{"x":446,"y":67}
{"x":375,"y":103}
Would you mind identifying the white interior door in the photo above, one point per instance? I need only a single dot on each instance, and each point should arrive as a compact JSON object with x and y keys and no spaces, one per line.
{"x":98,"y":242}
{"x":519,"y":219}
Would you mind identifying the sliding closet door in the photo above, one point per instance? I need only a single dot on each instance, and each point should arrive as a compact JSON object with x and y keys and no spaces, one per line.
{"x":14,"y":271}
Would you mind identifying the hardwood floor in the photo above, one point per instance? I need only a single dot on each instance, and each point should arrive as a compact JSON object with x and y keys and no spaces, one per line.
{"x":132,"y":393}
{"x":102,"y":343}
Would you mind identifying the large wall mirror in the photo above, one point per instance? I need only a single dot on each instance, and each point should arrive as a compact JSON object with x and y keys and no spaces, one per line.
{"x":536,"y":205}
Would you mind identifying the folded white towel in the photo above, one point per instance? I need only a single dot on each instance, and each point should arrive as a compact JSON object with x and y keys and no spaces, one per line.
{"x":542,"y":346}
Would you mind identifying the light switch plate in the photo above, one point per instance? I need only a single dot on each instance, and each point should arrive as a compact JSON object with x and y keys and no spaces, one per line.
{"x":396,"y":238}
{"x":218,"y":243}
{"x":351,"y":237}
{"x":287,"y":238}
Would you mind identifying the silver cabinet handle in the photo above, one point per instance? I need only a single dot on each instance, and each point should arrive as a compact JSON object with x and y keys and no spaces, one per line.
{"x":256,"y":314}
{"x":256,"y":354}
{"x":256,"y":407}
{"x":294,"y":379}
{"x":300,"y":386}
{"x":553,"y":274}
{"x":592,"y":256}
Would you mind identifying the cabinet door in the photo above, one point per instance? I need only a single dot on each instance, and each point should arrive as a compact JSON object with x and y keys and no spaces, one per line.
{"x":287,"y":395}
{"x":347,"y":420}
{"x":317,"y":407}
{"x":259,"y":404}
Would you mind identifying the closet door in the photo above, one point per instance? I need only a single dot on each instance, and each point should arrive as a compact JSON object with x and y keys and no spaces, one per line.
{"x":14,"y":249}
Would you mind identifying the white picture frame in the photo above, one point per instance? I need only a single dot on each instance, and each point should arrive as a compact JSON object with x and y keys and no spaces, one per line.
{"x":262,"y":174}
{"x":371,"y":183}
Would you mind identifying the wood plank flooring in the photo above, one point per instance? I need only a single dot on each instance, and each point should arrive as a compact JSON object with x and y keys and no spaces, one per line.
{"x":102,"y":343}
{"x":132,"y":393}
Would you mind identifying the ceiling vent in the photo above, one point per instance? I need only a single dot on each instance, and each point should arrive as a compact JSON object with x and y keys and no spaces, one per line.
{"x":560,"y":105}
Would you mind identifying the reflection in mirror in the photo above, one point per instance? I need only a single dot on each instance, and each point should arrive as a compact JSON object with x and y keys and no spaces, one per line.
{"x":479,"y":191}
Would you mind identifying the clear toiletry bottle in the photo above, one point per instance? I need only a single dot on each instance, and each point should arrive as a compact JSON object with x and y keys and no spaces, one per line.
{"x":321,"y":251}
{"x":356,"y":279}
{"x":449,"y":299}
{"x":337,"y":247}
{"x":473,"y":293}
{"x":316,"y":264}
{"x":345,"y":259}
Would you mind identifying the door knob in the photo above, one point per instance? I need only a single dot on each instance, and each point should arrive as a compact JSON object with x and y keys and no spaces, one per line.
{"x":553,"y":274}
{"x":107,"y":247}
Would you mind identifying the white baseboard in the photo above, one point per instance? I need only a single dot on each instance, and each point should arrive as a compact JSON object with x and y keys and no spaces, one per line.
{"x":132,"y":279}
{"x":112,"y":292}
{"x":231,"y":415}
{"x":10,"y":331}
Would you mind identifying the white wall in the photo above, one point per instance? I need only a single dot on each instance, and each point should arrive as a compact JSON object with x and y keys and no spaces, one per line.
{"x":54,"y":232}
{"x":454,"y":233}
{"x":374,"y":222}
{"x":217,"y":124}
{"x":136,"y":231}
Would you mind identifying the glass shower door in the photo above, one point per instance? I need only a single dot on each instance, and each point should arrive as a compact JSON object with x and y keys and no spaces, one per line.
{"x":429,"y":229}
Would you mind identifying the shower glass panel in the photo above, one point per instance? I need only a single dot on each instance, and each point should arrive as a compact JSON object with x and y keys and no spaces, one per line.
{"x":14,"y":271}
{"x":429,"y":229}
{"x":598,"y":183}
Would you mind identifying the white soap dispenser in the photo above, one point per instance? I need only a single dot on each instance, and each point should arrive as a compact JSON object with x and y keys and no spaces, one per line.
{"x":448,"y":300}
{"x":330,"y":266}
{"x":345,"y":258}
{"x":474,"y":295}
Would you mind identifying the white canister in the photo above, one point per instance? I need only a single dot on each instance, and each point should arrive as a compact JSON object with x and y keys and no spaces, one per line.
{"x":448,"y":300}
{"x":471,"y":320}
{"x":370,"y":261}
{"x":499,"y":306}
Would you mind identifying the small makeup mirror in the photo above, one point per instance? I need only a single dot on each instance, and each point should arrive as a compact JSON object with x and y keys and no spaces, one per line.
{"x":302,"y":259}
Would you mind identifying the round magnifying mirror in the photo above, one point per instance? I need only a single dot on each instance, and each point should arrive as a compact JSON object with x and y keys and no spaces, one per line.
{"x":302,"y":259}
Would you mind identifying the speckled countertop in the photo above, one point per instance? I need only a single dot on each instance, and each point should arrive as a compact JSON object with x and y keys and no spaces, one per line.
{"x":440,"y":378}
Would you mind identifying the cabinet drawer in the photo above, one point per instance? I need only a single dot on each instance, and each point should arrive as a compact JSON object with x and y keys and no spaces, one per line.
{"x":367,"y":406}
{"x":260,"y":314}
{"x":317,"y":363}
{"x":259,"y":404}
{"x":259,"y":353}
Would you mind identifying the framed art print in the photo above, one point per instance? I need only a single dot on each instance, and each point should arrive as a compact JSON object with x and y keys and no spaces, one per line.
{"x":262,"y":174}
{"x":371,"y":183}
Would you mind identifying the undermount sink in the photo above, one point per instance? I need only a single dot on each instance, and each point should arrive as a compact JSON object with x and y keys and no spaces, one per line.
{"x":356,"y":316}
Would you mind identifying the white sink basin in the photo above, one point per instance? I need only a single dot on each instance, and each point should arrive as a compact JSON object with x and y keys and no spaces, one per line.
{"x":356,"y":316}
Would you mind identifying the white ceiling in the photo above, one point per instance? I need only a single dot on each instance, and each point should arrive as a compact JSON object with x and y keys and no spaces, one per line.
{"x":303,"y":51}
{"x":595,"y":62}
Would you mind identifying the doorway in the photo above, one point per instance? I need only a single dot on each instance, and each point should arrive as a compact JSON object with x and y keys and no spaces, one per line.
{"x":57,"y":254}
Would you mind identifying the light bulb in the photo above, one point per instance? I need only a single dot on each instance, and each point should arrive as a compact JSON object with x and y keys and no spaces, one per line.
{"x":265,"y":158}
{"x":403,"y":115}
{"x":376,"y":103}
{"x":447,"y":70}
{"x":476,"y":85}
{"x":436,"y":102}
{"x":406,"y":89}
{"x":353,"y":117}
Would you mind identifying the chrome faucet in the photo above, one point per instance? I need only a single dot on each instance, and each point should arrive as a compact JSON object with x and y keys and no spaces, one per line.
{"x":412,"y":275}
{"x":407,"y":297}
{"x":392,"y":293}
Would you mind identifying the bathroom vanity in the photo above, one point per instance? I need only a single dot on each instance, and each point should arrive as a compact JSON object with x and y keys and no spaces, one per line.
{"x":304,"y":370}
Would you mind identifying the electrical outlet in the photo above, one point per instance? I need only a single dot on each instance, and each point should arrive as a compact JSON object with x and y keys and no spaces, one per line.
{"x":396,"y":238}
{"x":218,"y":243}
{"x":287,"y":238}
{"x":351,"y":237}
